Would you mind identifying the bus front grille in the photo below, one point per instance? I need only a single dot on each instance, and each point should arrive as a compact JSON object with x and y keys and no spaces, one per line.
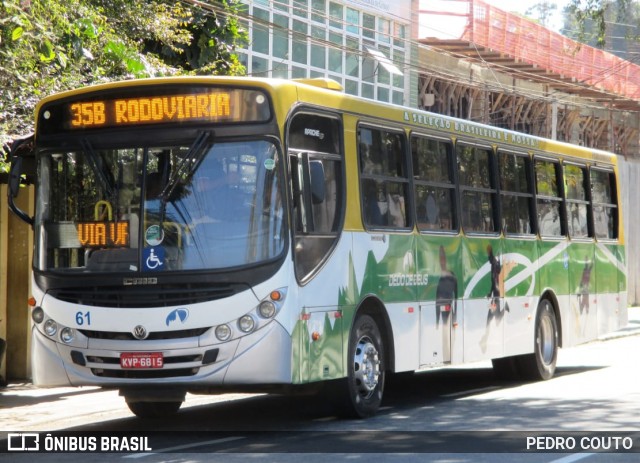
{"x":162,"y":295}
{"x":153,"y":336}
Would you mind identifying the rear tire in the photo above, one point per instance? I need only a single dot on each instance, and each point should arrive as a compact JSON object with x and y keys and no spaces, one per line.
{"x":154,"y":410}
{"x":541,"y":364}
{"x":363,"y":387}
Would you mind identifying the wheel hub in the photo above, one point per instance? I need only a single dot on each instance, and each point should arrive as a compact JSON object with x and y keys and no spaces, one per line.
{"x":546,"y":341}
{"x":366,"y":367}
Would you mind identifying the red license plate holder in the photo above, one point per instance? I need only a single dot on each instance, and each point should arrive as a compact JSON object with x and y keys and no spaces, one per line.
{"x":141,"y":360}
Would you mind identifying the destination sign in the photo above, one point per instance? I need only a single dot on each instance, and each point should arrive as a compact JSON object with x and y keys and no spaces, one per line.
{"x":103,"y":234}
{"x":180,"y":106}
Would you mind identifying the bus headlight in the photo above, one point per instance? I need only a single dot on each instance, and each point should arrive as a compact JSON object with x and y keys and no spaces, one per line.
{"x":267,"y":309}
{"x":246,"y":324}
{"x":37,"y":315}
{"x":50,"y":327}
{"x":67,"y":335}
{"x":223,"y":332}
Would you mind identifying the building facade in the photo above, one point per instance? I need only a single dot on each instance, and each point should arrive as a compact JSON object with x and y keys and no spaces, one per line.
{"x":365,"y":45}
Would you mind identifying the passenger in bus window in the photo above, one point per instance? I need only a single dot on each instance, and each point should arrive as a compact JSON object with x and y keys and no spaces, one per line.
{"x":578,"y":220}
{"x":601,"y":222}
{"x":549,"y":219}
{"x":432,"y":211}
{"x":429,"y":213}
{"x":369,"y":165}
{"x":375,"y":203}
{"x":396,"y":210}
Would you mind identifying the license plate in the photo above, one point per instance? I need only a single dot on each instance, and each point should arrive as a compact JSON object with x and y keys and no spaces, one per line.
{"x":141,"y":360}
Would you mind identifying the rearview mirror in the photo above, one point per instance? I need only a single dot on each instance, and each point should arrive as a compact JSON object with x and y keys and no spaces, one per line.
{"x":16,"y":172}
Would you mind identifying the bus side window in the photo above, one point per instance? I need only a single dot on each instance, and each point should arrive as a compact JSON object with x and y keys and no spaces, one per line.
{"x":605,"y":208}
{"x":549,"y":199}
{"x":384,"y":182}
{"x":576,"y":190}
{"x":516,"y":194}
{"x":477,"y":189}
{"x":434,"y":186}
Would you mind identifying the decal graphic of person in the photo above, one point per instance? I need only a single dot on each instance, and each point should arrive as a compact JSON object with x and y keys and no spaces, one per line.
{"x":447,"y":290}
{"x":583,"y":291}
{"x":446,"y":304}
{"x":499,"y":273}
{"x":494,"y":292}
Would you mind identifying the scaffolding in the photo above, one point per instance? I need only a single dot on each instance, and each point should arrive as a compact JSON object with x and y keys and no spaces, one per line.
{"x":478,"y":30}
{"x":509,"y":44}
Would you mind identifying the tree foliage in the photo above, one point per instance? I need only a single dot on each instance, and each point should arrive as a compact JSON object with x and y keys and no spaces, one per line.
{"x":589,"y":18}
{"x":47,"y":46}
{"x":543,"y":11}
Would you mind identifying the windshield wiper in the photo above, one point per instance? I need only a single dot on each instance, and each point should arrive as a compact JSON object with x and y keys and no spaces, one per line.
{"x":196,"y":151}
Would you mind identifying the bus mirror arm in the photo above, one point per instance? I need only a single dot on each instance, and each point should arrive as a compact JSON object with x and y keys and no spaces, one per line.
{"x":15,"y":173}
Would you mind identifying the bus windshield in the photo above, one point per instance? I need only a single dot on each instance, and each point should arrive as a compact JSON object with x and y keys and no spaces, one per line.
{"x":197,"y":206}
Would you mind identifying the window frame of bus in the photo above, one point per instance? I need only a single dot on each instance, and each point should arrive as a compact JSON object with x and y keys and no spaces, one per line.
{"x":613,"y":187}
{"x":305,"y":269}
{"x":492,"y":191}
{"x":385,"y":178}
{"x":560,"y":199}
{"x":501,"y":153}
{"x":586,"y":201}
{"x":59,"y":111}
{"x":440,"y":185}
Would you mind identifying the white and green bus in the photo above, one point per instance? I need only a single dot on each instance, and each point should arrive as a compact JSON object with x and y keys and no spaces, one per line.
{"x":211,"y":234}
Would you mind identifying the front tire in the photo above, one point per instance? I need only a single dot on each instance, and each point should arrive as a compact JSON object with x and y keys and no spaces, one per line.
{"x":154,"y":410}
{"x":506,"y":368}
{"x":365,"y":369}
{"x":541,"y":364}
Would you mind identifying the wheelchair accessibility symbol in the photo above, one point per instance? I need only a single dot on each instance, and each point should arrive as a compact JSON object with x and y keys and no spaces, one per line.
{"x":153,"y":258}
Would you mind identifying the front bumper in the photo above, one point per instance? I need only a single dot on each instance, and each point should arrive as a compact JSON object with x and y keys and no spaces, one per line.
{"x":262,"y":357}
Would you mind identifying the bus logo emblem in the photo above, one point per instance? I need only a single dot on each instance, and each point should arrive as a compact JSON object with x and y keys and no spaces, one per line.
{"x":182,"y":314}
{"x":140,"y":332}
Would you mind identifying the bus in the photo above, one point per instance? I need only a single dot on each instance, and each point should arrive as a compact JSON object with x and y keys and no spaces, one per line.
{"x":208,"y":234}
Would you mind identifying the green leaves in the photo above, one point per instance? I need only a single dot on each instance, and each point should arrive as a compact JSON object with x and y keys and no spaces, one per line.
{"x":17,"y":33}
{"x":48,"y":46}
{"x":592,"y":18}
{"x":121,"y":54}
{"x":46,"y":51}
